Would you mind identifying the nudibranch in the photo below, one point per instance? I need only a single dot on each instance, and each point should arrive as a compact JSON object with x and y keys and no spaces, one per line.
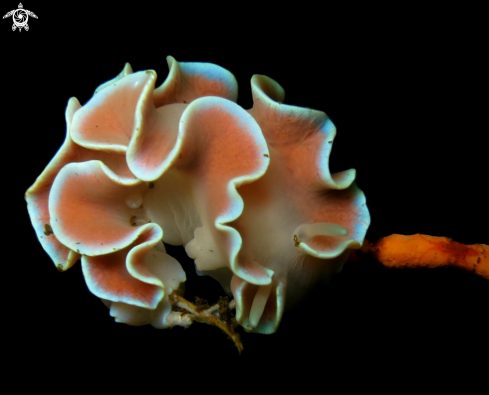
{"x":247,"y":192}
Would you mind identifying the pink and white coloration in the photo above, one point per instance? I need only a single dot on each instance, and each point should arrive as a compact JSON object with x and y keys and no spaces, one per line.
{"x":248,"y":193}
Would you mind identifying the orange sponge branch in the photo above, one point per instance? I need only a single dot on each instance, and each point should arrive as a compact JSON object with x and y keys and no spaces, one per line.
{"x":399,"y":251}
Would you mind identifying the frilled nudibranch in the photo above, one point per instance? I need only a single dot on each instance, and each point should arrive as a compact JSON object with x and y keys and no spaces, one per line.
{"x":247,"y":192}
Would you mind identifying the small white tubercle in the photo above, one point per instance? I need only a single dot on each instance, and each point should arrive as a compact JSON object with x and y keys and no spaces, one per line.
{"x":306,"y":232}
{"x":134,"y":199}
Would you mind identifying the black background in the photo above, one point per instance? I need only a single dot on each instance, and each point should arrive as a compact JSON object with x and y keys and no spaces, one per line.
{"x":407,"y":97}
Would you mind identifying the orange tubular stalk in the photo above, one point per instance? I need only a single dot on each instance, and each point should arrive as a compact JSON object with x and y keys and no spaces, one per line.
{"x":399,"y":251}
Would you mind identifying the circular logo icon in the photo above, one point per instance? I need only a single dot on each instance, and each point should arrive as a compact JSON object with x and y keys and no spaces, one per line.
{"x":20,"y":17}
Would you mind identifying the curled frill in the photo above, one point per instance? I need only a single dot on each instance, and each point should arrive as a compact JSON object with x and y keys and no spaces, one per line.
{"x":248,"y":193}
{"x":37,"y":195}
{"x":299,"y":221}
